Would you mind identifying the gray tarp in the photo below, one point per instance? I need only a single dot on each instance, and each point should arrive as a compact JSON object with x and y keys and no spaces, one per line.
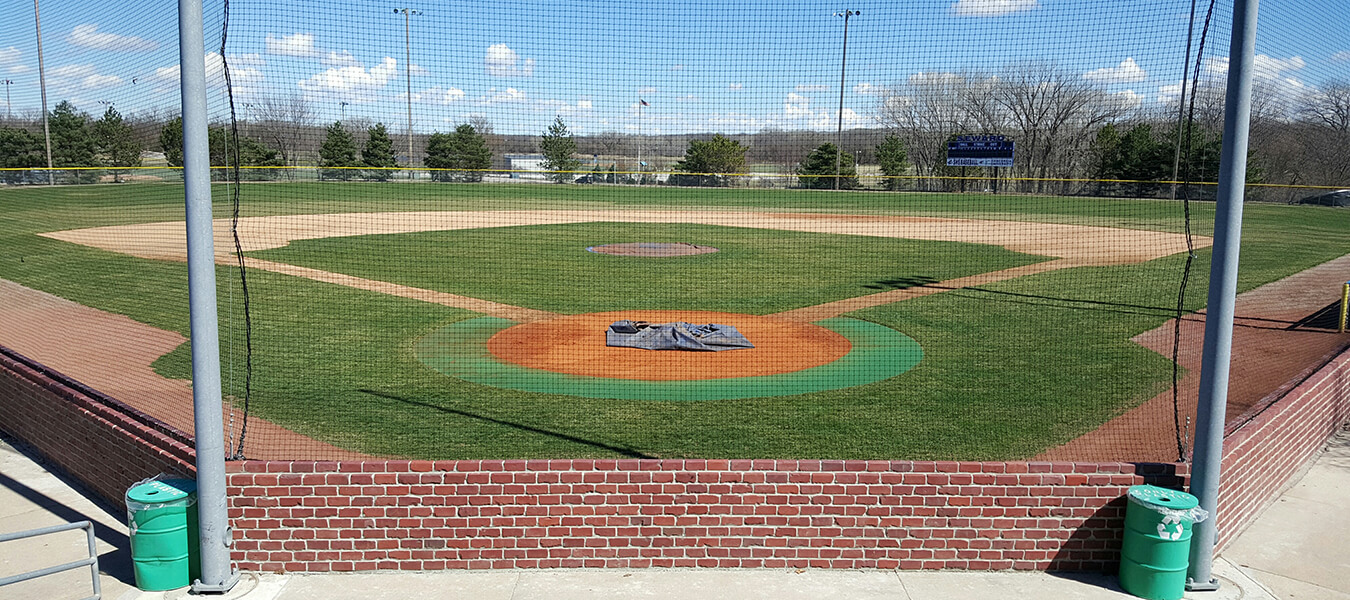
{"x":675,"y":336}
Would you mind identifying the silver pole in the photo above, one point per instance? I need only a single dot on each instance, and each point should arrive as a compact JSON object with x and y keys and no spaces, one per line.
{"x":407,"y":46}
{"x":209,"y":432}
{"x":42,"y":82}
{"x":843,"y":65}
{"x":1222,"y":295}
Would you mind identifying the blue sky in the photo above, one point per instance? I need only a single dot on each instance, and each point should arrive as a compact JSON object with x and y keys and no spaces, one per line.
{"x":702,"y":66}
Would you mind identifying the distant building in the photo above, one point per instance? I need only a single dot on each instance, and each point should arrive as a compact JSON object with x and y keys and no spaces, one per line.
{"x":516,"y":163}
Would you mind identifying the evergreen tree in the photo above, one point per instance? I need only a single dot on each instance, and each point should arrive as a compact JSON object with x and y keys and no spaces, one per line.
{"x":705,"y":160}
{"x":894,"y":161}
{"x":820,"y":162}
{"x":19,"y":149}
{"x":338,"y":150}
{"x":116,"y":143}
{"x":253,"y":153}
{"x":171,"y":141}
{"x":465,"y":150}
{"x":378,"y":153}
{"x":72,"y":143}
{"x":558,"y":146}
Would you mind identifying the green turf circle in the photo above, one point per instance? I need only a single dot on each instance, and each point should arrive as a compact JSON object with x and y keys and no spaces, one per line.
{"x":879,"y":352}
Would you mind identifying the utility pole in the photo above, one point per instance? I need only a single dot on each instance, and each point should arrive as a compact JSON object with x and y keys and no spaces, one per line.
{"x":1217,"y":354}
{"x":9,"y":106}
{"x":343,"y":106}
{"x":213,"y":522}
{"x":843,"y":66}
{"x":42,"y":81}
{"x":407,"y":44}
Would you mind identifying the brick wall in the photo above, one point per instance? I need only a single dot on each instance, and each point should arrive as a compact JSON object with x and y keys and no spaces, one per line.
{"x":315,"y":516}
{"x":102,"y":443}
{"x":1264,"y":453}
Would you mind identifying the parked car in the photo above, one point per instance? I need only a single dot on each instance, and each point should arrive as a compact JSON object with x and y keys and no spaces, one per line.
{"x":1336,"y":198}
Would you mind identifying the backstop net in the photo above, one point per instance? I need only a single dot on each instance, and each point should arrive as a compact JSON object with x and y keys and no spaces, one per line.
{"x":948,"y":229}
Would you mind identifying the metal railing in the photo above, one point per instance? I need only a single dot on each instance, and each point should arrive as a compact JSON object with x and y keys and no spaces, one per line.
{"x":91,"y":561}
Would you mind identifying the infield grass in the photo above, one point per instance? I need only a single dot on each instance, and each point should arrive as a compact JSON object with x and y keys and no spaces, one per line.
{"x":1004,"y":376}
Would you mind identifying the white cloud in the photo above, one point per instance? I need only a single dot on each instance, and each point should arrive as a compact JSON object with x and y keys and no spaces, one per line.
{"x":245,"y":74}
{"x":825,"y":119}
{"x":502,"y":61}
{"x":866,"y":89}
{"x":339,"y":59}
{"x":677,"y":68}
{"x":9,"y":56}
{"x":494,"y":96}
{"x":418,"y":70}
{"x":297,"y":44}
{"x":812,"y":88}
{"x":82,"y":77}
{"x":1127,"y":71}
{"x":87,"y":35}
{"x":796,"y":106}
{"x":354,"y":83}
{"x":736,"y":86}
{"x":1128,"y":99}
{"x":1342,"y":56}
{"x":585,"y":104}
{"x":439,"y":95}
{"x":991,"y":8}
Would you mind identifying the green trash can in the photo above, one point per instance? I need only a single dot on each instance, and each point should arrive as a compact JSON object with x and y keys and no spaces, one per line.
{"x":1156,"y":551}
{"x":162,"y":517}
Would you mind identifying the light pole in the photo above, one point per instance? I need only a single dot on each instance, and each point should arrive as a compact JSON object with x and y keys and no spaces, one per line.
{"x":42,"y":81}
{"x":343,"y":105}
{"x":407,"y":44}
{"x":9,"y":107}
{"x":843,"y":64}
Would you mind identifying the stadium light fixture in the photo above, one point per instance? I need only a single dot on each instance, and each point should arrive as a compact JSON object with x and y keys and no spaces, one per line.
{"x":843,"y":66}
{"x":408,"y":14}
{"x":343,"y":106}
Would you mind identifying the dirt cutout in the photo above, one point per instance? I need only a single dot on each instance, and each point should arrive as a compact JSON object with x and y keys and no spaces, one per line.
{"x":575,"y":345}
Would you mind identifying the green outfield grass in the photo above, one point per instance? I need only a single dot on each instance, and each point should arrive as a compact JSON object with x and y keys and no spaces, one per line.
{"x":1008,"y":369}
{"x":547,"y":267}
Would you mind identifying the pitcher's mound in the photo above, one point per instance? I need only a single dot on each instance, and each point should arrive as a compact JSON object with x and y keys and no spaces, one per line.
{"x":652,"y":249}
{"x":575,"y":345}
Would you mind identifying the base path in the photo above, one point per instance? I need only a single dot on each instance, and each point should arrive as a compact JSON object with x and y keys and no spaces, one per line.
{"x":1070,"y":245}
{"x":113,"y":354}
{"x":1267,"y":354}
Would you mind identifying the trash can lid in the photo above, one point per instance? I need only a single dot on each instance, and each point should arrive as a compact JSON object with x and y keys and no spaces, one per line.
{"x":159,"y":492}
{"x":1159,"y":498}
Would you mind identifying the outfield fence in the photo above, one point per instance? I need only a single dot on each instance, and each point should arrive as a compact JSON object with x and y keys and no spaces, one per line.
{"x":428,"y":219}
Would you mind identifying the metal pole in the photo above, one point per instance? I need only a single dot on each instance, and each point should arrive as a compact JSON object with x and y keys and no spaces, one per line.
{"x":42,"y":82}
{"x":407,"y":46}
{"x":1222,"y":295}
{"x":839,"y":133}
{"x":9,"y":106}
{"x":639,"y":140}
{"x":213,"y":520}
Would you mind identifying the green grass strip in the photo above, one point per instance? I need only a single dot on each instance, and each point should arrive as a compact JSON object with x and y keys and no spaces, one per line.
{"x":879,"y":352}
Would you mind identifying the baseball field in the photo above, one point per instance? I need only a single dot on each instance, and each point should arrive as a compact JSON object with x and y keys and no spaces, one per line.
{"x":467,"y":321}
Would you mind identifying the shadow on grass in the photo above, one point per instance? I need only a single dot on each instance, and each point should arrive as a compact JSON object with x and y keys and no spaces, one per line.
{"x":1315,"y":321}
{"x":628,"y":452}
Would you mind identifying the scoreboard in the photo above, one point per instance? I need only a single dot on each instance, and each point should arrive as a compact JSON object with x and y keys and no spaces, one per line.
{"x":980,"y":151}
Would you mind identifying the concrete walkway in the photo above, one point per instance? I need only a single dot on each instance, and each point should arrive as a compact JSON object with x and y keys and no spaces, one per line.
{"x":1300,"y":548}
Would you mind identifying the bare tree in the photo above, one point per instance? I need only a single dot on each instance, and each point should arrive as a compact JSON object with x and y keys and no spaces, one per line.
{"x":924,"y":112}
{"x":1053,"y":113}
{"x":1328,"y":106}
{"x":282,"y":122}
